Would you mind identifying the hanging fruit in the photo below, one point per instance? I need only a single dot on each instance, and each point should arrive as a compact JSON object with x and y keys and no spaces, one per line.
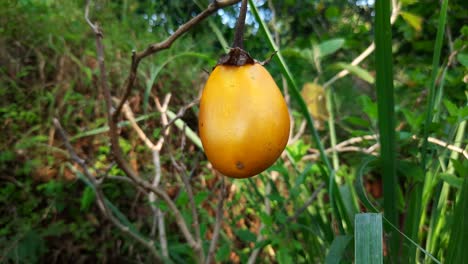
{"x":243,"y":120}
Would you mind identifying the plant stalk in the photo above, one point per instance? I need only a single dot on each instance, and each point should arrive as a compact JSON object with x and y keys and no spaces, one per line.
{"x":239,"y":35}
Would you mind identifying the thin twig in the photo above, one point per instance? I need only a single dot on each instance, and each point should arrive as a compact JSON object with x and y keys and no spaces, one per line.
{"x":158,"y":215}
{"x":114,"y":136}
{"x":153,"y":48}
{"x":185,"y":179}
{"x":253,"y":256}
{"x":181,"y":113}
{"x":344,"y":146}
{"x":100,"y":200}
{"x":219,"y":220}
{"x":309,"y":201}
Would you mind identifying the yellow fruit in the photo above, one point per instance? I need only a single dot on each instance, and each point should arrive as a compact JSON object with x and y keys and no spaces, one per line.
{"x":243,"y":120}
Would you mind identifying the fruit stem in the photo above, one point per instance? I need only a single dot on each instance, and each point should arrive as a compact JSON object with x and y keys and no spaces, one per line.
{"x":239,"y":35}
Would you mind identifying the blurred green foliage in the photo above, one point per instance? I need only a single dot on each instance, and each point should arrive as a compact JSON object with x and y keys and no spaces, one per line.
{"x":48,"y":69}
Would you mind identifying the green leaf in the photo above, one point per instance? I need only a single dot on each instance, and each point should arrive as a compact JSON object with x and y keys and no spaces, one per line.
{"x":223,"y":253}
{"x":284,"y":257}
{"x":182,"y":199}
{"x":369,"y":107}
{"x":368,"y":238}
{"x":386,"y":119}
{"x":451,"y":107}
{"x":408,"y":2}
{"x":413,"y":20}
{"x":245,"y":235}
{"x":358,"y":71}
{"x":200,"y":197}
{"x":87,"y":198}
{"x":411,"y":171}
{"x":463,"y":59}
{"x":337,"y":249}
{"x":330,"y":46}
{"x":452,"y":180}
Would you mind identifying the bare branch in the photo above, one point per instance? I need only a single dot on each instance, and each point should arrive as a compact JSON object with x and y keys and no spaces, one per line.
{"x":156,"y":47}
{"x":185,"y":179}
{"x":181,"y":113}
{"x":344,"y":146}
{"x":100,"y":199}
{"x":116,"y":150}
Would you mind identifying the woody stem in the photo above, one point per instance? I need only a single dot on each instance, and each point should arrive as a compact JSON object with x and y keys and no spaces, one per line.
{"x":239,"y":35}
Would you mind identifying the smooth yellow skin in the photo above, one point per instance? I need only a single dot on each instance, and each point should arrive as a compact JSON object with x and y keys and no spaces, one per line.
{"x":243,"y":120}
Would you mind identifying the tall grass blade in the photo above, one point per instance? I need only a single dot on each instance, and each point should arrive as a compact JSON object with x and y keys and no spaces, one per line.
{"x":435,"y":69}
{"x":296,"y":95}
{"x":337,"y":249}
{"x":361,"y":192}
{"x":386,"y":115}
{"x":456,"y":251}
{"x":368,"y":238}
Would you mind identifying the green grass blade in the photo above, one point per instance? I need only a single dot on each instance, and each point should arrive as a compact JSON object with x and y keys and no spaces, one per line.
{"x":296,"y":95}
{"x":386,"y":114}
{"x":456,"y":251}
{"x":104,"y":129}
{"x":361,"y":192}
{"x":337,"y":249}
{"x":435,"y":69}
{"x":368,"y":238}
{"x":331,"y":126}
{"x":220,"y":36}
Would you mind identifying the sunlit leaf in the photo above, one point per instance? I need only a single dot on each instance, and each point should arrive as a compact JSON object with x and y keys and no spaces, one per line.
{"x":358,"y":71}
{"x":315,"y":98}
{"x":330,"y":46}
{"x":413,"y":20}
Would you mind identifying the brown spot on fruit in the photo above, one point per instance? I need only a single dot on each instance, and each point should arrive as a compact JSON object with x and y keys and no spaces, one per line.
{"x":239,"y":165}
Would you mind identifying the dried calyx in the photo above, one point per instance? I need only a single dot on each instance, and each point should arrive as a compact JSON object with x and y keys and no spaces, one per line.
{"x":236,"y":57}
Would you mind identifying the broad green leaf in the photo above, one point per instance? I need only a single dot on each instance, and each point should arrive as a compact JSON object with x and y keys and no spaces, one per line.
{"x":451,"y":107}
{"x":413,"y":20}
{"x":222,"y":254}
{"x":463,"y":59}
{"x":246,"y":235}
{"x":368,"y":238}
{"x":330,"y":46}
{"x":358,"y":71}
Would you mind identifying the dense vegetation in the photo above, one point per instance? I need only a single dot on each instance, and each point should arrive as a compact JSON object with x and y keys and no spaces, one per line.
{"x":298,"y":211}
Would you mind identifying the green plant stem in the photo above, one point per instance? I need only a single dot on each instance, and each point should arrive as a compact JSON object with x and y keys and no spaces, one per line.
{"x":296,"y":95}
{"x":331,"y":127}
{"x":386,"y":116}
{"x":435,"y":68}
{"x":438,"y":222}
